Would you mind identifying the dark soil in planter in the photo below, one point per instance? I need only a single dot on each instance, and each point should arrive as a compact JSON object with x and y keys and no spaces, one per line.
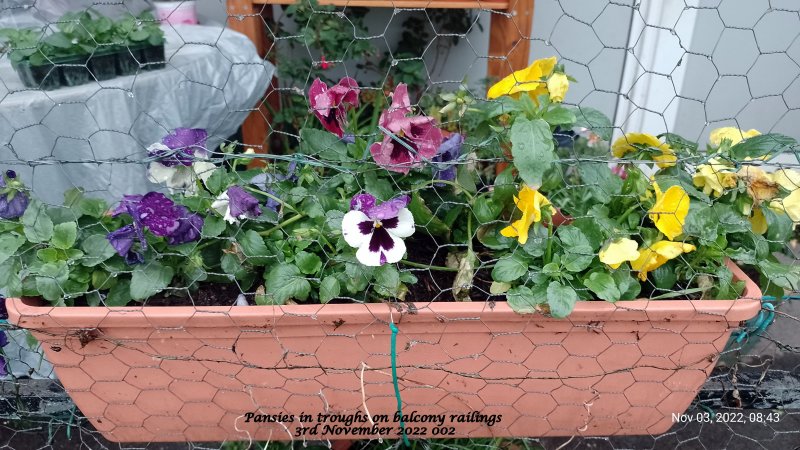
{"x":45,"y":76}
{"x":128,"y":61}
{"x":153,"y":57}
{"x":75,"y":72}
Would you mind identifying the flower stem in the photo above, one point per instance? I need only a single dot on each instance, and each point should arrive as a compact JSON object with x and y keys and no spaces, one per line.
{"x":268,"y":195}
{"x":628,"y":212}
{"x":470,"y":197}
{"x":288,"y":221}
{"x":427,"y":266}
{"x":549,"y":255}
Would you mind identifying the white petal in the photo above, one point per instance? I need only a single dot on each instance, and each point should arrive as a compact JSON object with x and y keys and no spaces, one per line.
{"x":159,"y":173}
{"x":405,"y":224}
{"x":220,"y":205}
{"x":373,"y":259}
{"x":368,"y":258}
{"x":397,"y":251}
{"x":204,"y":169}
{"x":352,"y":234}
{"x":183,"y":180}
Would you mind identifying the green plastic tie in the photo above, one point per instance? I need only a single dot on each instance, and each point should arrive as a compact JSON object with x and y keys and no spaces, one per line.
{"x":396,"y":385}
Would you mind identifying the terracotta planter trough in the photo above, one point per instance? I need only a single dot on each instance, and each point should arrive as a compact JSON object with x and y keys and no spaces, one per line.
{"x":194,"y":374}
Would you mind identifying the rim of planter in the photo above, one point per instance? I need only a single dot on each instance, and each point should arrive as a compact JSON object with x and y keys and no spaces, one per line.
{"x":29,"y":312}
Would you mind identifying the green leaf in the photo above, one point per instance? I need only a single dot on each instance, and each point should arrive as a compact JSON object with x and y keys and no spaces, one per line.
{"x":701,"y":222}
{"x":323,"y":145}
{"x":578,"y":251}
{"x":664,"y":277}
{"x":47,"y":254}
{"x":561,"y":299}
{"x":779,"y":228}
{"x":96,"y":249}
{"x":50,"y":280}
{"x":504,"y":187}
{"x":594,"y":120}
{"x":213,"y":226}
{"x":10,"y":277}
{"x":9,"y":244}
{"x":387,"y":280}
{"x":510,"y":268}
{"x":593,"y":230}
{"x":628,"y":286}
{"x":253,"y":248}
{"x":764,"y":145}
{"x":729,"y":220}
{"x":486,"y":209}
{"x":600,"y":181}
{"x":559,"y":115}
{"x":64,"y":235}
{"x":36,"y":223}
{"x":424,"y":218}
{"x":524,"y":300}
{"x":677,"y":142}
{"x":308,"y":263}
{"x":783,"y":275}
{"x":329,"y":289}
{"x":465,"y":177}
{"x":150,"y":279}
{"x":217,"y":181}
{"x":603,"y":285}
{"x":284,"y":282}
{"x":532,"y":148}
{"x":380,"y":188}
{"x":536,"y":244}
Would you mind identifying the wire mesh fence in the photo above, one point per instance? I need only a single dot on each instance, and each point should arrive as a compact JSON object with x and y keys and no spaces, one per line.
{"x":404,"y":223}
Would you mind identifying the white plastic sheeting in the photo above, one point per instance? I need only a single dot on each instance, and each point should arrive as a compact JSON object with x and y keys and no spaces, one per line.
{"x":95,"y":135}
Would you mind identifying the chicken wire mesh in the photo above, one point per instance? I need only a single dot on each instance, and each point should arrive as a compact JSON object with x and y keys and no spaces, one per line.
{"x":87,"y":94}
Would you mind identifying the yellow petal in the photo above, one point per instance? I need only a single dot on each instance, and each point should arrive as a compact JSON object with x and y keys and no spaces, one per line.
{"x":666,"y":159}
{"x":714,"y":177}
{"x":671,"y":250}
{"x":557,"y":85}
{"x":530,"y":202}
{"x":788,"y":179}
{"x":789,"y":205}
{"x":655,"y":256}
{"x":647,"y":261}
{"x":614,"y":253}
{"x":626,"y":143}
{"x":732,"y":134}
{"x":670,"y":210}
{"x":758,"y":221}
{"x":529,"y":79}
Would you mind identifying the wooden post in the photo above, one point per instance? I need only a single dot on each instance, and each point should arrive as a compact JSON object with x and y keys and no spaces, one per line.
{"x":509,"y":39}
{"x":250,"y":19}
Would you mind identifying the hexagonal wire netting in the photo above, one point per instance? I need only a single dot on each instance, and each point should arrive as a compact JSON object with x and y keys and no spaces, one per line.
{"x":286,"y":335}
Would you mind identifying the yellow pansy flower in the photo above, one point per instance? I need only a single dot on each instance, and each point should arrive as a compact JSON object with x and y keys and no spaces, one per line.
{"x":626,"y":143}
{"x":732,"y":134}
{"x":530,"y":79}
{"x":790,"y":205}
{"x":670,"y":210}
{"x":758,"y":221}
{"x":788,"y":179}
{"x":656,"y":255}
{"x":557,"y":85}
{"x":616,"y":252}
{"x":760,"y":185}
{"x":530,"y":202}
{"x":715,"y":177}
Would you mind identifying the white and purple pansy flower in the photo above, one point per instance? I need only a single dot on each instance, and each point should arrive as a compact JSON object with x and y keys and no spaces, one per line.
{"x":13,"y":200}
{"x":180,"y":160}
{"x":378,"y":230}
{"x":235,"y":204}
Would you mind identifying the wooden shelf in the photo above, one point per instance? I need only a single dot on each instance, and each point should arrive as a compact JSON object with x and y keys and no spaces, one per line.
{"x":459,"y":4}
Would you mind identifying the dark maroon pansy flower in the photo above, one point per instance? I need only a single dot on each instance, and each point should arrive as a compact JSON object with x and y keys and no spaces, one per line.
{"x":330,"y":105}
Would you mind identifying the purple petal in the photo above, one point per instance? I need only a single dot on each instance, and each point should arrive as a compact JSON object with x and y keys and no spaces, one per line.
{"x":366,"y":227}
{"x":450,"y":148}
{"x":186,"y":138}
{"x":14,"y":208}
{"x":159,"y":214}
{"x":388,"y":209}
{"x":242,"y":204}
{"x":128,"y":204}
{"x":381,"y":240}
{"x":3,"y":310}
{"x":122,"y":239}
{"x":362,"y":202}
{"x":188,"y":230}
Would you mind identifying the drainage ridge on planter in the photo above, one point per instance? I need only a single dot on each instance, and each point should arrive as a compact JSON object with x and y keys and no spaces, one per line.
{"x":192,"y":374}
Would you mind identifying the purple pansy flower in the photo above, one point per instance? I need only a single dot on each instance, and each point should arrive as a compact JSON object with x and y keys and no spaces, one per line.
{"x":264,"y":180}
{"x":180,"y":160}
{"x":331,"y":105}
{"x":185,"y":144}
{"x":446,"y":156}
{"x":158,"y":214}
{"x":409,"y":140}
{"x":378,"y":230}
{"x":235,"y":204}
{"x":13,"y":201}
{"x":122,"y":240}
